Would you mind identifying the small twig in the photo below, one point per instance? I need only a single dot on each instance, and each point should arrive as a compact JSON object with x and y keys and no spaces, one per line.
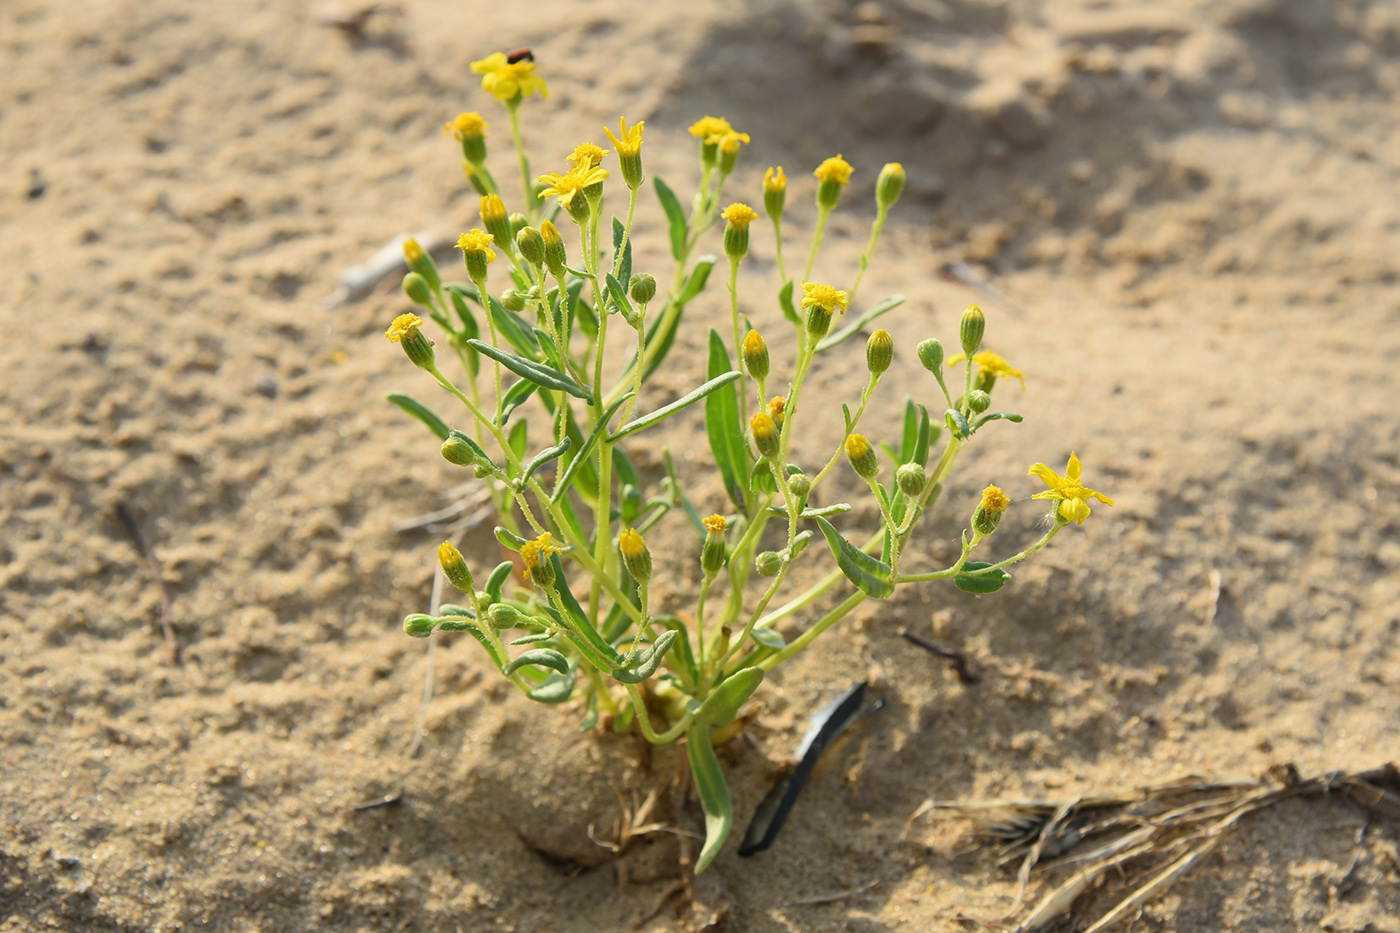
{"x":422,"y":717}
{"x":449,"y":512}
{"x":956,"y":661}
{"x":389,"y":801}
{"x":1214,"y":580}
{"x":833,"y":898}
{"x":157,"y":569}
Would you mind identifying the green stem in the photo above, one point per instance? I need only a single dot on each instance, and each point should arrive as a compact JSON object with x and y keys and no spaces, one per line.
{"x":738,"y":342}
{"x":778,"y":239}
{"x":526,"y":189}
{"x":953,"y":571}
{"x":875,"y":229}
{"x":855,"y":420}
{"x":807,"y":637}
{"x":822,"y":214}
{"x":644,"y":721}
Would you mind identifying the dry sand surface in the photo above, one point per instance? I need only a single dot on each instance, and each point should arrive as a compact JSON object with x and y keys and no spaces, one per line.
{"x":1195,"y":206}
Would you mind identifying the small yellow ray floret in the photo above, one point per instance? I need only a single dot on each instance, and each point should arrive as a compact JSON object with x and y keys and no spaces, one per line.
{"x":825,"y":297}
{"x":631,"y":544}
{"x":1074,"y":496}
{"x":536,"y":552}
{"x":631,"y":142}
{"x":729,"y":142}
{"x":834,"y":169}
{"x":739,"y":215}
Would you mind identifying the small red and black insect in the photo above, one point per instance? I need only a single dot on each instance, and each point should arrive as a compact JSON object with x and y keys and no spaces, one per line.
{"x":520,"y":55}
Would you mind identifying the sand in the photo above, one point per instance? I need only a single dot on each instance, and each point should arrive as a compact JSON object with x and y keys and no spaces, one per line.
{"x":1193,"y":208}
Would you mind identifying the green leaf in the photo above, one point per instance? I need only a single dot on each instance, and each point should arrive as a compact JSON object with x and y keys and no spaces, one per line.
{"x":619,"y":297}
{"x":570,"y":605}
{"x":647,"y":661}
{"x":845,"y":333}
{"x":534,"y":639}
{"x":514,"y":329}
{"x":982,"y":582}
{"x":666,"y":411}
{"x":625,"y":469}
{"x":518,"y":437}
{"x":957,"y":423}
{"x":543,"y":457}
{"x":470,"y":328}
{"x":580,"y":310}
{"x":624,"y":270}
{"x":927,"y":435}
{"x":998,"y":416}
{"x":536,"y":372}
{"x":699,"y":275}
{"x":714,"y":793}
{"x":420,"y":411}
{"x":678,"y":491}
{"x":590,"y":713}
{"x":872,"y":577}
{"x":556,"y":689}
{"x":723,"y":704}
{"x":722,"y":424}
{"x":548,"y":349}
{"x":910,"y":436}
{"x":838,"y":508}
{"x":769,"y":638}
{"x":515,"y":397}
{"x":498,"y":580}
{"x":785,"y":302}
{"x":509,"y":539}
{"x":473,"y":628}
{"x":683,"y":659}
{"x":580,"y":459}
{"x":539,"y":657}
{"x":672,"y":206}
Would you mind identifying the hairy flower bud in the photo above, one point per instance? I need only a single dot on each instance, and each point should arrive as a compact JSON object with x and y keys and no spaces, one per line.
{"x":418,"y":625}
{"x":497,"y":221}
{"x":765,"y":434}
{"x":756,"y":356}
{"x":768,"y":563}
{"x":642,"y":288}
{"x":931,"y":355}
{"x":889,"y":186}
{"x":536,"y":555}
{"x":530,"y":242}
{"x":737,"y":218}
{"x":987,"y":515}
{"x":462,"y":450}
{"x":713,"y":553}
{"x":555,"y":256}
{"x":971,"y":329}
{"x":503,"y":615}
{"x":978,"y":401}
{"x":774,"y":192}
{"x":801,"y":485}
{"x":636,"y":556}
{"x":911,"y":479}
{"x":406,"y":331}
{"x":417,"y":290}
{"x":777,"y":409}
{"x":419,"y":261}
{"x":512,"y":300}
{"x":834,"y":175}
{"x":879,"y":352}
{"x":862,"y":456}
{"x":454,"y":565}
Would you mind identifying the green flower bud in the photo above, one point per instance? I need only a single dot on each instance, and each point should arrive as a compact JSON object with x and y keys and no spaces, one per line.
{"x":497,"y":221}
{"x":879,"y":352}
{"x":911,"y":479}
{"x":971,"y":329}
{"x":801,"y":486}
{"x":407,"y":332}
{"x":834,"y":175}
{"x":818,"y":323}
{"x":931,"y":355}
{"x":889,"y":186}
{"x":765,"y":434}
{"x":419,"y":261}
{"x":418,"y":625}
{"x":461,"y":450}
{"x":768,"y":563}
{"x":555,"y":255}
{"x":512,"y":300}
{"x":417,"y":289}
{"x":642,"y":288}
{"x":774,"y":192}
{"x":737,"y":218}
{"x":862,"y":456}
{"x":455,"y":567}
{"x":636,"y":556}
{"x":503,"y":616}
{"x":530,"y":242}
{"x":518,"y":222}
{"x":713,"y":553}
{"x":756,"y":356}
{"x":978,"y":401}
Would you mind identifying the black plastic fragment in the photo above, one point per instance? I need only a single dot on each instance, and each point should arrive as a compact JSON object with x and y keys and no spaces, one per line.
{"x":825,"y":726}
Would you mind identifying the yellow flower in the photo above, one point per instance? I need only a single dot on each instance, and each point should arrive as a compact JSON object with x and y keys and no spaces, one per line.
{"x":825,"y":297}
{"x":774,"y":180}
{"x":715,"y":524}
{"x":631,"y":142}
{"x":777,"y":409}
{"x":991,"y":364}
{"x":631,"y":544}
{"x":994,"y":500}
{"x":466,"y":124}
{"x":835,"y":169}
{"x":586,"y":154}
{"x":1073,"y":495}
{"x":402,"y":327}
{"x":536,"y":553}
{"x":710,"y":129}
{"x":506,"y":81}
{"x":739,"y":215}
{"x":571,"y":183}
{"x":477,"y":241}
{"x":729,"y":142}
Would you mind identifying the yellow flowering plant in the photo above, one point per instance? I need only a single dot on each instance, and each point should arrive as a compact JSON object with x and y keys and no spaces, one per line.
{"x":547,"y":423}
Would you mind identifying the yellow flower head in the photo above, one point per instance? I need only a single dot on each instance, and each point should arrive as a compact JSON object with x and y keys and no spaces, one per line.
{"x":505,"y":81}
{"x":477,"y":241}
{"x":710,"y":129}
{"x":571,"y":183}
{"x":715,"y":524}
{"x":631,"y":544}
{"x":994,"y":500}
{"x":535,"y":553}
{"x":413,"y":251}
{"x":466,"y":125}
{"x":402,"y":327}
{"x":857,"y":446}
{"x":631,"y":142}
{"x":774,"y":180}
{"x":1074,"y":496}
{"x":739,"y":215}
{"x":834,"y":169}
{"x":826,"y":297}
{"x":777,"y":408}
{"x":763,"y":426}
{"x":586,"y":154}
{"x":991,"y":364}
{"x":729,"y":142}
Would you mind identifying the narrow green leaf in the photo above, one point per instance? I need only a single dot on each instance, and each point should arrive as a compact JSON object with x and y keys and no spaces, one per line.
{"x":534,"y":639}
{"x":580,"y":459}
{"x":769,"y":638}
{"x":666,"y":411}
{"x":581,"y":311}
{"x":723,"y":704}
{"x":957,"y":423}
{"x":570,"y":605}
{"x":543,"y":457}
{"x":590,"y":713}
{"x":539,"y":657}
{"x":909,"y":439}
{"x":514,"y":329}
{"x":646,"y":662}
{"x":672,"y":206}
{"x":519,"y":437}
{"x":683,"y":659}
{"x":722,"y":424}
{"x":998,"y":416}
{"x":927,"y":435}
{"x":618,"y":291}
{"x":458,"y":623}
{"x":497,"y":580}
{"x":699,"y":275}
{"x":470,"y":328}
{"x":846,"y":415}
{"x":870,"y":576}
{"x":547,"y":347}
{"x":420,"y":411}
{"x":556,"y":689}
{"x":714,"y":793}
{"x":535,"y":372}
{"x":838,"y":508}
{"x":851,"y":329}
{"x":625,"y":469}
{"x":509,"y":539}
{"x":982,"y":582}
{"x":785,"y":302}
{"x":515,"y":397}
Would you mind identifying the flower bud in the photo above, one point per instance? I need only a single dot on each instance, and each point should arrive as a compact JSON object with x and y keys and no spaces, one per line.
{"x":503,"y":615}
{"x":518,"y":222}
{"x":406,"y":331}
{"x":801,"y":485}
{"x":756,"y":356}
{"x":737,"y":218}
{"x":512,"y":300}
{"x":497,"y":221}
{"x":978,"y":401}
{"x":470,"y":129}
{"x":530,"y":242}
{"x":455,"y":567}
{"x":765,"y":434}
{"x":987,"y":515}
{"x":636,"y":556}
{"x":970,"y":330}
{"x":774,"y":192}
{"x":419,"y":261}
{"x":418,"y":625}
{"x":713,"y":553}
{"x":777,"y":409}
{"x":931,"y":355}
{"x":879,"y":352}
{"x":461,"y":449}
{"x":555,"y":256}
{"x":473,"y":176}
{"x":818,"y":322}
{"x":889,"y":186}
{"x":862,"y":456}
{"x":768,"y":563}
{"x":642,"y":288}
{"x":911,"y":479}
{"x":417,"y":290}
{"x":729,"y":151}
{"x":834,"y":175}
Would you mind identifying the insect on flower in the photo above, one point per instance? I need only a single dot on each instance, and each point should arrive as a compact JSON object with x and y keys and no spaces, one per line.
{"x":522,"y":54}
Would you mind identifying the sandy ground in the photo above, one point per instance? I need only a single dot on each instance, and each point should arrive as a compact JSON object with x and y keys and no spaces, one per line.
{"x":1196,"y":206}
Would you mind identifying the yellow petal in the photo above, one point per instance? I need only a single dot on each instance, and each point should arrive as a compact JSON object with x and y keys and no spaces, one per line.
{"x":1075,"y":468}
